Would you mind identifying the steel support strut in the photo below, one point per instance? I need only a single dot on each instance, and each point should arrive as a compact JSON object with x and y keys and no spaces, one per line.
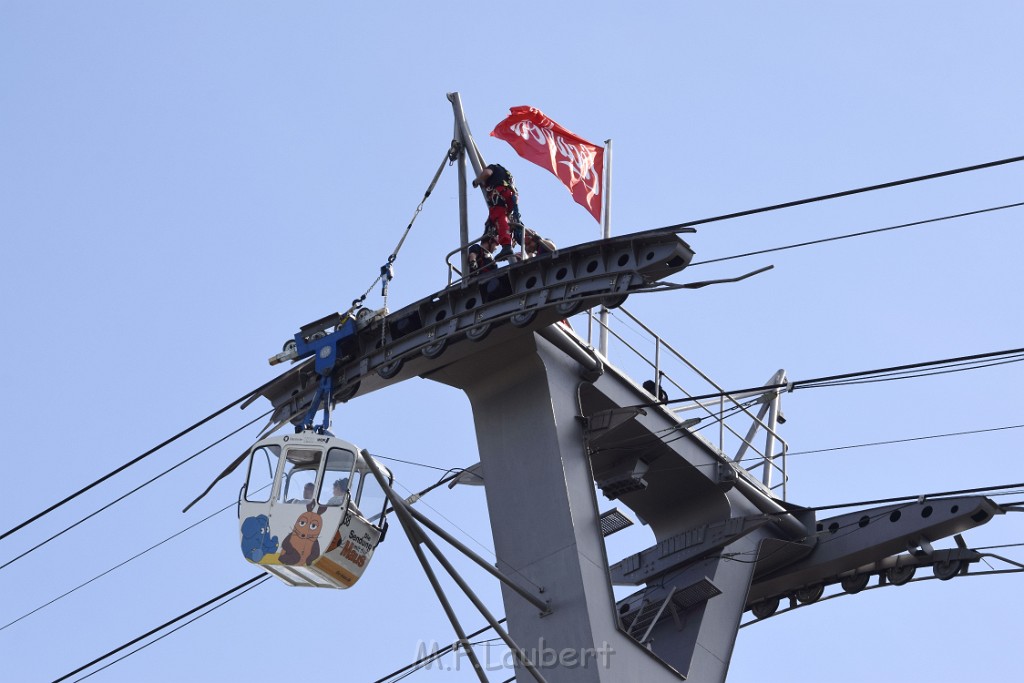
{"x":323,"y":394}
{"x":407,"y":517}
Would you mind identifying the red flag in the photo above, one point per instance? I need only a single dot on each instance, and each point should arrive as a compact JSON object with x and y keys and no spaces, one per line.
{"x":577,"y":163}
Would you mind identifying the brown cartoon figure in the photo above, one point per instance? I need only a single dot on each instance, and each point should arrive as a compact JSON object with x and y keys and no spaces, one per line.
{"x":301,"y":545}
{"x":335,"y":542}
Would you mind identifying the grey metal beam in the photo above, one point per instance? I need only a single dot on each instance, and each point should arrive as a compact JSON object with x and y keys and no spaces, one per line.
{"x":416,"y":538}
{"x":867,"y":537}
{"x":541,"y":605}
{"x":525,"y":409}
{"x":441,"y":328}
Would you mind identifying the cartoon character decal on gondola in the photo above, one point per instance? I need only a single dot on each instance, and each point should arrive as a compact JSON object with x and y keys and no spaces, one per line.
{"x":302,"y":546}
{"x":256,"y":538}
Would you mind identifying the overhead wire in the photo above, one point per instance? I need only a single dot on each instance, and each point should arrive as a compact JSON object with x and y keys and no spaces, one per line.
{"x":419,"y":663}
{"x":131,"y":492}
{"x":173,"y":630}
{"x":659,"y":435}
{"x":891,"y":376}
{"x":902,"y":502}
{"x":260,"y":578}
{"x":910,"y":371}
{"x":415,"y":496}
{"x":654,"y":438}
{"x":387,"y":271}
{"x":118,"y":566}
{"x":836,"y":380}
{"x":911,"y":499}
{"x":923,"y":496}
{"x":1019,"y":568}
{"x":135,"y":460}
{"x":856,"y":234}
{"x":902,"y":372}
{"x":412,"y":462}
{"x":237,"y":590}
{"x":997,"y":547}
{"x":845,"y":193}
{"x":906,"y":440}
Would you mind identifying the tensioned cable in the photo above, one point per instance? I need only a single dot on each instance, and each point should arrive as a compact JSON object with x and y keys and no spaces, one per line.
{"x":134,"y":490}
{"x":237,"y":593}
{"x":880,"y":443}
{"x":845,"y":193}
{"x":856,"y":234}
{"x":119,"y":565}
{"x":996,"y":547}
{"x":860,"y":445}
{"x":415,"y":496}
{"x":907,"y":500}
{"x":914,"y":438}
{"x":832,"y":380}
{"x":657,"y":437}
{"x":411,"y":462}
{"x":974,"y":574}
{"x":835,"y":380}
{"x":260,"y":578}
{"x":432,"y":656}
{"x":173,"y":630}
{"x":902,"y":499}
{"x":387,"y":270}
{"x":914,"y":374}
{"x":138,"y":459}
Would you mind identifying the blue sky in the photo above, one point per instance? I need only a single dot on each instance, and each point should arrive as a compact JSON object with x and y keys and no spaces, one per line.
{"x":184,"y":184}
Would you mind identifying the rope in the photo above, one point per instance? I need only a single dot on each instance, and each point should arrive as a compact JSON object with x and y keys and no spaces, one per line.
{"x":449,"y":158}
{"x":387,"y":271}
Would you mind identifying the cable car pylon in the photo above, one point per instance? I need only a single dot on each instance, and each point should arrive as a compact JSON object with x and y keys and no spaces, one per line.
{"x":555,"y":423}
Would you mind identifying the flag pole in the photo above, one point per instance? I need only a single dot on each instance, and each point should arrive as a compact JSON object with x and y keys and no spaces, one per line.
{"x":606,"y":234}
{"x":463,"y":204}
{"x":469,"y":149}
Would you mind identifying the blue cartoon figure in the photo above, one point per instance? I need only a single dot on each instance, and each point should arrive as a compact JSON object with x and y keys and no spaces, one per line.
{"x":256,"y":538}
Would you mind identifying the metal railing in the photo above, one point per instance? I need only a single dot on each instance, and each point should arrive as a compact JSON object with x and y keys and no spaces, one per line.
{"x":775,"y":446}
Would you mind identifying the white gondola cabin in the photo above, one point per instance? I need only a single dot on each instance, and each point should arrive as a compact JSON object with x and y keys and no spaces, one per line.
{"x":311,"y":512}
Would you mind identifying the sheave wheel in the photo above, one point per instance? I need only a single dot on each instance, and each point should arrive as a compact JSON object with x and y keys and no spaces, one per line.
{"x":348,"y":392}
{"x":765,"y":608}
{"x":435,"y":348}
{"x":479,"y":332}
{"x":900,"y":575}
{"x":810,"y":594}
{"x":946,"y":570}
{"x":856,"y":583}
{"x":569,"y":306}
{"x":613,"y":301}
{"x":389,"y":370}
{"x":523,"y":318}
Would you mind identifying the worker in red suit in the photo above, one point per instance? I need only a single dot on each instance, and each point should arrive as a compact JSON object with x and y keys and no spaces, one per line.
{"x":503,"y":200}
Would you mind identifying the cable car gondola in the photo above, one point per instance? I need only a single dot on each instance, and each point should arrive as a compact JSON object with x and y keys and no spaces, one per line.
{"x":311,"y":512}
